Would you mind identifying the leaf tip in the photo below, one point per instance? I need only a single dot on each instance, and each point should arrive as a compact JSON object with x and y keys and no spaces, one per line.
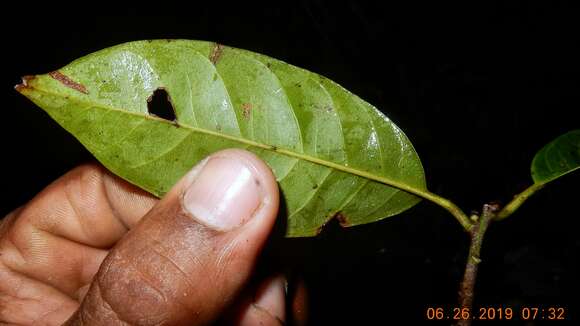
{"x":25,"y":84}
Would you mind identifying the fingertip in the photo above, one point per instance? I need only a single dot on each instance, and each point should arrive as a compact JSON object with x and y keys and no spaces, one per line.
{"x":271,"y":296}
{"x":265,"y":307}
{"x":231,"y":188}
{"x":128,"y":202}
{"x":265,"y":215}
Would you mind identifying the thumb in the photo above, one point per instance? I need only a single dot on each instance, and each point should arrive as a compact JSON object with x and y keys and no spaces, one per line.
{"x":193,"y":252}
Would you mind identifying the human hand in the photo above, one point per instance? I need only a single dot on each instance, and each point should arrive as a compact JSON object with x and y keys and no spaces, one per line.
{"x":93,"y":249}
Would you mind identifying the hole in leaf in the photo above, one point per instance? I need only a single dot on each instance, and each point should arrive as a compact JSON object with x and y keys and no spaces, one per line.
{"x":159,"y":104}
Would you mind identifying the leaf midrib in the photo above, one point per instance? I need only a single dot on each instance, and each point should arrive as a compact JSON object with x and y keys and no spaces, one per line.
{"x":387,"y":181}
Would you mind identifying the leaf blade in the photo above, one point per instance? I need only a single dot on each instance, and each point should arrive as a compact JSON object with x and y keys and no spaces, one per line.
{"x":557,"y":158}
{"x":345,"y":166}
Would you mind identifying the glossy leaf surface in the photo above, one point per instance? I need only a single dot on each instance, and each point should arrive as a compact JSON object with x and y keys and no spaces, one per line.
{"x":559,"y":157}
{"x":333,"y":154}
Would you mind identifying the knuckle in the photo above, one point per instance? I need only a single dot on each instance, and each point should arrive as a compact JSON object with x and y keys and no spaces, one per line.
{"x":20,"y":249}
{"x":8,"y":221}
{"x":82,"y":182}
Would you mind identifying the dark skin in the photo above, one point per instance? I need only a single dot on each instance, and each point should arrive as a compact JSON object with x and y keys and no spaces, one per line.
{"x":93,"y":249}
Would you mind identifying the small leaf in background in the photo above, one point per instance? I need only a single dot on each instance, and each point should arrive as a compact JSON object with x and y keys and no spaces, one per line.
{"x":333,"y":154}
{"x":557,"y":158}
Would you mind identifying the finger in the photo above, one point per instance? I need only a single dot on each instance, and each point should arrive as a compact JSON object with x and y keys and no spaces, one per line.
{"x":24,"y":301}
{"x":298,"y":297}
{"x":266,"y":306}
{"x":61,"y":236}
{"x":193,"y":252}
{"x":88,"y":205}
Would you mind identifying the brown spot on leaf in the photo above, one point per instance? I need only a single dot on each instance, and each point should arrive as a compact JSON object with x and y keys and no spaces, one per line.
{"x":338,"y":217}
{"x":216,"y":53}
{"x":246,"y":110}
{"x":342,"y":219}
{"x":27,"y":78}
{"x":66,"y":81}
{"x":25,"y":83}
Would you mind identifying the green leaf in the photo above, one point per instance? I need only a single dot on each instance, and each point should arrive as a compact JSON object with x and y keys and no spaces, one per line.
{"x":333,"y":154}
{"x":559,"y":157}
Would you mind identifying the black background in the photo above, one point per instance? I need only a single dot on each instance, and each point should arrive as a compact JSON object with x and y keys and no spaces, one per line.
{"x":476,"y":126}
